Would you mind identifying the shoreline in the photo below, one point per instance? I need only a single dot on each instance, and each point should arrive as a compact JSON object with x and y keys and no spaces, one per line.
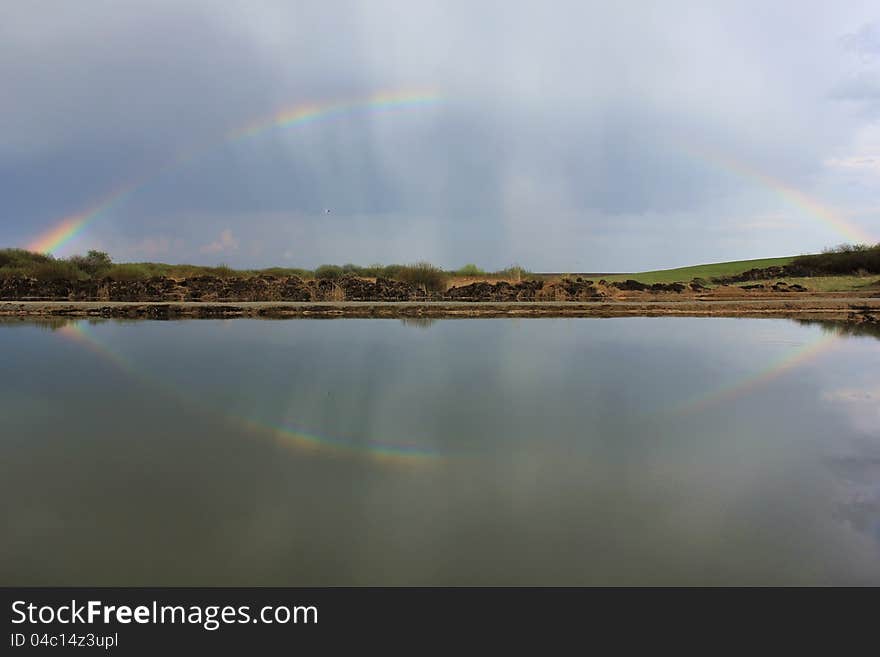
{"x":807,"y":307}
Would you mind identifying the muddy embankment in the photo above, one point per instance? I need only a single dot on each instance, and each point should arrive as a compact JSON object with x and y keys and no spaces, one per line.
{"x":207,"y":289}
{"x":348,"y":288}
{"x":267,"y":296}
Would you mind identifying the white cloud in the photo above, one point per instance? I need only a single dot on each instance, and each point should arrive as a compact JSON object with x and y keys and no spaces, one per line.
{"x":154,"y":247}
{"x":856,"y":163}
{"x":226,"y":242}
{"x":861,"y":406}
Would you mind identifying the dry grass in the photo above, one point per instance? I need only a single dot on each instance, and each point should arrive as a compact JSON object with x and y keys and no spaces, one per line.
{"x":337,"y":294}
{"x":461,"y":281}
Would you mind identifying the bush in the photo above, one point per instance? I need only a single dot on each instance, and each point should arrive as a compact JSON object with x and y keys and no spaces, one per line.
{"x":58,"y":270}
{"x":514,"y":272}
{"x":470,"y":270}
{"x":330,"y":272}
{"x":95,"y":263}
{"x":14,"y":272}
{"x":128,"y":272}
{"x":21,"y":259}
{"x":846,"y":259}
{"x":374,"y":271}
{"x":391,"y":271}
{"x":424,"y":275}
{"x":282,"y":272}
{"x":224,"y":271}
{"x":846,"y":248}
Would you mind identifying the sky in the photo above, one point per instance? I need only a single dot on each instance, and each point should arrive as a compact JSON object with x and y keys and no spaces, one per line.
{"x":566,"y":136}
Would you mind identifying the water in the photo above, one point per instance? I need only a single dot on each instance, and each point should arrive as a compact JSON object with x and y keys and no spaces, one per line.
{"x":543,"y":451}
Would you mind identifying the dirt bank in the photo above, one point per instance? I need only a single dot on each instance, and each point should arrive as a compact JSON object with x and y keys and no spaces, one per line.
{"x":208,"y":289}
{"x":214,"y":289}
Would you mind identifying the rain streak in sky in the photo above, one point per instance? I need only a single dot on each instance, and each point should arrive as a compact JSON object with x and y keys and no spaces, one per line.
{"x":564,"y":136}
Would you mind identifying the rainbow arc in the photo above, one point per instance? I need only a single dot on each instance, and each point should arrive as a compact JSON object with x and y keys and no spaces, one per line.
{"x":68,"y":227}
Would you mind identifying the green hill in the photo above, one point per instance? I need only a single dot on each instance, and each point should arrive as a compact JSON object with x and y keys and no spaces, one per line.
{"x":701,"y":271}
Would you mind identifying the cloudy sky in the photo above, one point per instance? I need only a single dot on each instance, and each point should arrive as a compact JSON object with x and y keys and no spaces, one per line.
{"x":563,"y":136}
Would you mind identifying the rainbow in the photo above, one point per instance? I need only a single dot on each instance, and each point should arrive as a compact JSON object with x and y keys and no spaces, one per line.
{"x":774,"y":370}
{"x":78,"y":333}
{"x":812,"y":207}
{"x":409,"y":454}
{"x":68,"y":227}
{"x":386,"y":453}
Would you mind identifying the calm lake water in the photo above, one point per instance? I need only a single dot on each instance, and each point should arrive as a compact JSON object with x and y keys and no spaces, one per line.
{"x":489,"y":451}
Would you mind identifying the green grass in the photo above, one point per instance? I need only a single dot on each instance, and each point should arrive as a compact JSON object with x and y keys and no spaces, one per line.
{"x":829,"y":283}
{"x":706,"y":272}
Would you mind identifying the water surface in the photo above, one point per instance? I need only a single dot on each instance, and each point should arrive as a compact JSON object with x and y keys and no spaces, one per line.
{"x":490,"y":451}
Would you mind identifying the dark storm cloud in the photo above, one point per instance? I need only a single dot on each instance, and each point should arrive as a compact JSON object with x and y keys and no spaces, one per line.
{"x":142,"y":79}
{"x":566,"y":133}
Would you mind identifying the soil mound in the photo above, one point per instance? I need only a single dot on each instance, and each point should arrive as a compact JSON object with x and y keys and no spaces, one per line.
{"x":631,"y":285}
{"x":211,"y":288}
{"x":501,"y":291}
{"x":762,"y":274}
{"x":346,"y":288}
